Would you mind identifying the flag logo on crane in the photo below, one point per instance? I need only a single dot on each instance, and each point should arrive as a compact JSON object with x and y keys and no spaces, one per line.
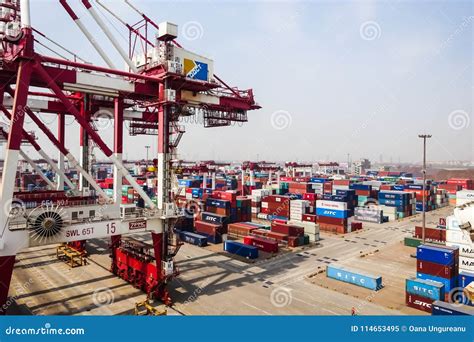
{"x":195,"y":70}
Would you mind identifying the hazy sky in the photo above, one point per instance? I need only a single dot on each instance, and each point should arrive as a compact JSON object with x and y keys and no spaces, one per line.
{"x":333,"y":77}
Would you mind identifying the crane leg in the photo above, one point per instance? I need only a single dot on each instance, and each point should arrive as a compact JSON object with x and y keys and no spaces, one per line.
{"x":6,"y":271}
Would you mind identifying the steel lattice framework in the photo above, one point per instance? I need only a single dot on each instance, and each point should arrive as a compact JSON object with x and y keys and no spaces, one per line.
{"x":151,"y":98}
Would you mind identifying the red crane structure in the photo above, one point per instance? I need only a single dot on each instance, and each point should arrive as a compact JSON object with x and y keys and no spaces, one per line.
{"x":163,"y":82}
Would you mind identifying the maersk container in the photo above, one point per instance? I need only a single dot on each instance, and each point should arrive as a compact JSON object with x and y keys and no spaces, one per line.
{"x":342,"y":214}
{"x":465,"y":278}
{"x":449,"y":283}
{"x":353,"y":276}
{"x":440,"y":308}
{"x":439,"y":255}
{"x":241,"y":249}
{"x":426,"y":288}
{"x":194,"y":239}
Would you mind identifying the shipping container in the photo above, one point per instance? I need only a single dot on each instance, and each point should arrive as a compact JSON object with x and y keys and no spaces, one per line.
{"x":241,"y":249}
{"x":418,"y":302}
{"x":425,"y":288}
{"x":263,"y":244}
{"x":437,"y":254}
{"x":440,"y":308}
{"x":192,"y":238}
{"x":438,"y":270}
{"x":341,"y":214}
{"x":353,"y":276}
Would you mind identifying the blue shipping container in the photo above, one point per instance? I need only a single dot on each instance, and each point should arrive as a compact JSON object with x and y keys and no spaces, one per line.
{"x":465,"y":278}
{"x":355,"y":277}
{"x":440,"y":308}
{"x":217,"y":203}
{"x":449,"y":283}
{"x":332,"y":213}
{"x":438,"y":255}
{"x":393,"y":202}
{"x":238,"y":248}
{"x":194,"y":239}
{"x":425,"y":288}
{"x":394,"y":195}
{"x":213,"y":218}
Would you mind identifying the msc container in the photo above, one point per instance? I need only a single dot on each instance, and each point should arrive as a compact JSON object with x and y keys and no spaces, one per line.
{"x":418,"y":302}
{"x":241,"y":249}
{"x":440,"y":308}
{"x":353,"y":276}
{"x":425,"y":288}
{"x":194,"y":239}
{"x":437,"y":254}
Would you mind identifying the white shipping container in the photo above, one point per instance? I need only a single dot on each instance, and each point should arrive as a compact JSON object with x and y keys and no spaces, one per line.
{"x":255,"y":210}
{"x":264,"y":204}
{"x":465,"y":250}
{"x":465,"y":213}
{"x":465,"y":194}
{"x":331,"y":205}
{"x":466,"y":264}
{"x":458,"y":236}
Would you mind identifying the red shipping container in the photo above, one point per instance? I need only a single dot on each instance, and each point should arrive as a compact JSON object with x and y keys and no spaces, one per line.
{"x":356,"y":226}
{"x":287,"y":229}
{"x":293,"y":241}
{"x":279,"y":221}
{"x":438,"y":270}
{"x":436,"y":234}
{"x":266,"y":245}
{"x":309,"y":218}
{"x":342,"y":182}
{"x":277,"y":236}
{"x":207,"y":228}
{"x":310,"y":197}
{"x":331,"y":220}
{"x":419,"y":302}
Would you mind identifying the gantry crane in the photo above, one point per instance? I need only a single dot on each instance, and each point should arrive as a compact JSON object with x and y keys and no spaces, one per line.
{"x":163,"y":82}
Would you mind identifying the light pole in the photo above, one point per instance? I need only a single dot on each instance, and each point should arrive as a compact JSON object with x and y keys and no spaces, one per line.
{"x":424,"y":137}
{"x":147,"y":148}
